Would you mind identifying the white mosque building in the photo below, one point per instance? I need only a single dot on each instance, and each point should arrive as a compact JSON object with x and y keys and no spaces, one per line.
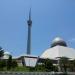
{"x":58,"y":49}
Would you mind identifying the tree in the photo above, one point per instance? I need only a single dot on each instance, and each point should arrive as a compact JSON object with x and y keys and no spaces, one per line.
{"x":2,"y":64}
{"x":72,"y":65}
{"x":1,"y":52}
{"x":45,"y":65}
{"x":64,"y":63}
{"x":40,"y":67}
{"x":48,"y":65}
{"x":9,"y":63}
{"x":14,"y":64}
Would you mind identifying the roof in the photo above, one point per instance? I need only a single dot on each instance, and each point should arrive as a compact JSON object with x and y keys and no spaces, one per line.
{"x":59,"y":51}
{"x":6,"y":53}
{"x":58,"y":41}
{"x":25,"y":55}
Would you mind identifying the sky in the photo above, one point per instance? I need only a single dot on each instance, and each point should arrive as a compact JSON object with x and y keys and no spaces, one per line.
{"x":50,"y":19}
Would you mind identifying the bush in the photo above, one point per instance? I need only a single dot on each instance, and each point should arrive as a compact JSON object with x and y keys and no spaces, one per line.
{"x":2,"y":64}
{"x":9,"y":63}
{"x":14,"y":64}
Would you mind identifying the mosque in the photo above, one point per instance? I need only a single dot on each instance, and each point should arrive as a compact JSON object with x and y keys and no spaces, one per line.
{"x":58,"y":49}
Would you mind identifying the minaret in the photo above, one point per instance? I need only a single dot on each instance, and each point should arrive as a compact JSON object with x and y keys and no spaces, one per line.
{"x":29,"y":34}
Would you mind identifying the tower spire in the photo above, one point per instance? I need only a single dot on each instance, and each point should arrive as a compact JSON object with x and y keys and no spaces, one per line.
{"x":30,"y":21}
{"x":29,"y":33}
{"x":30,"y":14}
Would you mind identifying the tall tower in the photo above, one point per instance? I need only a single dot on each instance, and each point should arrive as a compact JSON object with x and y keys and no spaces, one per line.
{"x":29,"y":34}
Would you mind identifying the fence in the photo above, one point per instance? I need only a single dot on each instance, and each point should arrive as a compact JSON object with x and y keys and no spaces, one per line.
{"x":37,"y":73}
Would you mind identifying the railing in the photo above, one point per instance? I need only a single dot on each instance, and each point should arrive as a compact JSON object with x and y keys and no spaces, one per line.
{"x":37,"y":73}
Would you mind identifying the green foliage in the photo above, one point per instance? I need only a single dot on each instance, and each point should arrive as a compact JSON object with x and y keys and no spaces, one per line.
{"x":73,"y":62}
{"x":22,"y":69}
{"x":48,"y":65}
{"x":55,"y":68}
{"x":40,"y":67}
{"x":31,"y":69}
{"x":72,"y":65}
{"x":2,"y":64}
{"x":64,"y":63}
{"x":9,"y":63}
{"x":1,"y":52}
{"x":45,"y":66}
{"x":14,"y":64}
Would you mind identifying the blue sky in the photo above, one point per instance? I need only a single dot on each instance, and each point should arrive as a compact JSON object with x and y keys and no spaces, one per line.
{"x":51,"y":18}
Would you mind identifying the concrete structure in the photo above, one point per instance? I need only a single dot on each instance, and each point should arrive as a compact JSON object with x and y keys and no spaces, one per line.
{"x":26,"y":60}
{"x":30,"y":60}
{"x":29,"y":34}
